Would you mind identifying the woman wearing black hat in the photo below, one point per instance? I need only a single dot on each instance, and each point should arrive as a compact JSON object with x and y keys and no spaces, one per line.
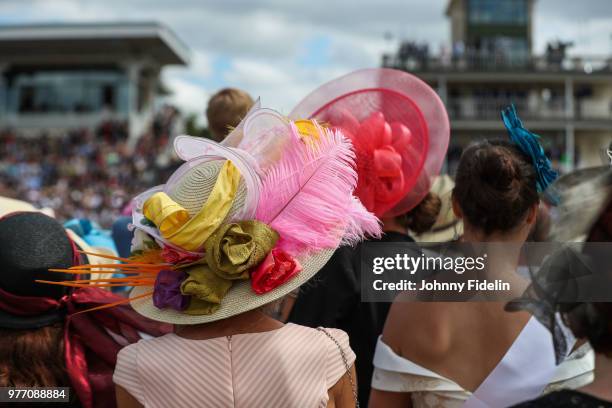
{"x":43,"y":342}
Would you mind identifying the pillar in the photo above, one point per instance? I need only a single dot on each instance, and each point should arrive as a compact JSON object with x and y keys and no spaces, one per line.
{"x":570,"y":144}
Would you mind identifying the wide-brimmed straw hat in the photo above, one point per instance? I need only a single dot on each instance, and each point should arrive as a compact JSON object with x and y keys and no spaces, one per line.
{"x":447,"y":226}
{"x":399,"y":127}
{"x":10,"y":205}
{"x":190,"y":186}
{"x":237,"y":227}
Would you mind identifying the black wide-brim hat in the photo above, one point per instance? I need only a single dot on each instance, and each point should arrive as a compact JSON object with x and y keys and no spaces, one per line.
{"x":31,"y":243}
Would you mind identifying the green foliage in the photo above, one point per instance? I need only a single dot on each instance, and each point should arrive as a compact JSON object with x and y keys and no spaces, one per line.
{"x":193,"y":129}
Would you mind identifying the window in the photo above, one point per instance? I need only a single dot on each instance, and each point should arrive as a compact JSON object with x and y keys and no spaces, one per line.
{"x":69,"y":91}
{"x":498,"y":12}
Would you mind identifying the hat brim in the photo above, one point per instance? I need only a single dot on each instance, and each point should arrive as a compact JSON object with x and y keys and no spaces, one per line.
{"x":239,"y":299}
{"x":448,"y":234}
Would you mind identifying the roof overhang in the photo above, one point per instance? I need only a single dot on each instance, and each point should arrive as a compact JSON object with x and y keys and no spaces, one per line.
{"x":84,"y":43}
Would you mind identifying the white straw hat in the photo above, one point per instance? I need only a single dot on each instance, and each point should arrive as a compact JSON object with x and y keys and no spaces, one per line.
{"x":190,"y":187}
{"x":191,"y":191}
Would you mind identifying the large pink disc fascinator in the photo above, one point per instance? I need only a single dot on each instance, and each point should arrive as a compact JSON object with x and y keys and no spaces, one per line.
{"x":399,"y":129}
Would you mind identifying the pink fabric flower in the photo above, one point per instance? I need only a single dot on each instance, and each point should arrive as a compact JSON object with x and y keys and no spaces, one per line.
{"x":277,"y":268}
{"x":176,"y":257}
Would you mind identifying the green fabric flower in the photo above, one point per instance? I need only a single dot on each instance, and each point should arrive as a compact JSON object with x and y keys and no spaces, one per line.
{"x":206,"y":289}
{"x":231,"y":252}
{"x":234,"y":249}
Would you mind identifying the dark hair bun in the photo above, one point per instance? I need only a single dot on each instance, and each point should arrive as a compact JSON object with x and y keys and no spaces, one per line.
{"x":498,"y":170}
{"x":422,"y":217}
{"x":495,"y":185}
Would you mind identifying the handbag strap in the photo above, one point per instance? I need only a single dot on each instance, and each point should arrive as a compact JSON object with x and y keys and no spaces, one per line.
{"x":346,"y":364}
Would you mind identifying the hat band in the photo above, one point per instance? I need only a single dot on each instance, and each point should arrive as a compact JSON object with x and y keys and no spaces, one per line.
{"x":26,"y":305}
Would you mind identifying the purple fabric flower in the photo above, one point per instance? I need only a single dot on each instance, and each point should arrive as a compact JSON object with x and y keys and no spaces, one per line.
{"x":167,"y":290}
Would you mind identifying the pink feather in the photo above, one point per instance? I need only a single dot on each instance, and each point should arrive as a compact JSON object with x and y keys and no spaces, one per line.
{"x":307,"y":196}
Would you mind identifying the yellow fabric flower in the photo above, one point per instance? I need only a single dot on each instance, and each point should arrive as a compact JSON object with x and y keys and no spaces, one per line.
{"x":173,"y":220}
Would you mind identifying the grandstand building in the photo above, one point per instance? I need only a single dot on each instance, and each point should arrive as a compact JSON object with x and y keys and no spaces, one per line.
{"x":490,"y":63}
{"x":56,"y":77}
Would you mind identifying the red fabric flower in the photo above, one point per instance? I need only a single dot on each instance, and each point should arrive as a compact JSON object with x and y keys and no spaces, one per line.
{"x":176,"y":257}
{"x":276,"y":269}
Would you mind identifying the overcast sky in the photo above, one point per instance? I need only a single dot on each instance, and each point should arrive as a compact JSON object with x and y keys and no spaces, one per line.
{"x":282,"y":49}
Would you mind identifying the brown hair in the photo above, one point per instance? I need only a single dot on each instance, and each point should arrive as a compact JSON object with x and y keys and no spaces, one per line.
{"x":495,"y":185}
{"x":422,"y":217}
{"x":33,"y":357}
{"x":226,"y":109}
{"x":592,"y":321}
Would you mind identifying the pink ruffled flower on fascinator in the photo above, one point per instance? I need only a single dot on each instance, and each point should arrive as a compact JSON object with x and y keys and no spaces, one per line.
{"x":380,"y":164}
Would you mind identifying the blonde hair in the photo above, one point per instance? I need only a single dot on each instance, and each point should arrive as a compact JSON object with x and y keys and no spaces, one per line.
{"x":226,"y":109}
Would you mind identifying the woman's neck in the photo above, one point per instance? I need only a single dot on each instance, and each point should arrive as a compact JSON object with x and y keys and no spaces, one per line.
{"x":473,"y":235}
{"x":502,"y":252}
{"x":254,"y":321}
{"x":600,"y":387}
{"x":390,"y":224}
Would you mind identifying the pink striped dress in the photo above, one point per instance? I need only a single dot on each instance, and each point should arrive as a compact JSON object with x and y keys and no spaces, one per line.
{"x":293,"y":366}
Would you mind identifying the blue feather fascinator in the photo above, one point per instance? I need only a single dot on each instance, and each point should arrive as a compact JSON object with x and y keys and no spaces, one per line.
{"x":529,"y":144}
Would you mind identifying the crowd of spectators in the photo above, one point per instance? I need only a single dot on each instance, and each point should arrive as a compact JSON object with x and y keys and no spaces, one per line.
{"x":87,"y":173}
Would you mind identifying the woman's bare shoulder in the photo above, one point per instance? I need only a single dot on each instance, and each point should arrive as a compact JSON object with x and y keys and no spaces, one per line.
{"x":419,"y":328}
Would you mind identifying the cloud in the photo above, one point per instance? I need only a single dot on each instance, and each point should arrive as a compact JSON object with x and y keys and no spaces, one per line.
{"x":280,"y":86}
{"x":589,"y":27}
{"x":576,"y":11}
{"x":190,"y":98}
{"x":281,"y":50}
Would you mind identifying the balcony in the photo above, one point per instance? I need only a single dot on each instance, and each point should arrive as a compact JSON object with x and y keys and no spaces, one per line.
{"x":472,"y":108}
{"x":499,"y":62}
{"x":470,"y":112}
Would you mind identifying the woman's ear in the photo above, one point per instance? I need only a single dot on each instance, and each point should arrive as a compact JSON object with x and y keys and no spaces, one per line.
{"x":456,"y":208}
{"x":532,"y":215}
